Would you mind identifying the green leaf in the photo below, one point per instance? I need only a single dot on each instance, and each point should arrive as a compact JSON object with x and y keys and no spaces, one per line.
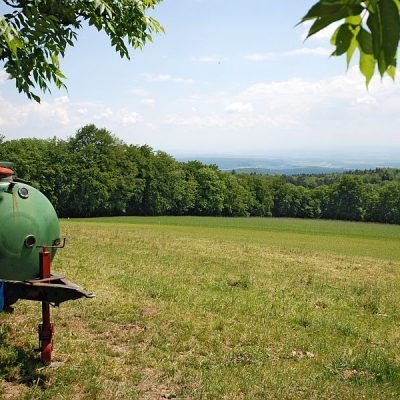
{"x":384,"y":24}
{"x":364,"y":39}
{"x":382,"y":66}
{"x":326,"y":20}
{"x":342,"y":39}
{"x":350,"y":50}
{"x":320,"y":10}
{"x":354,"y":20}
{"x":35,"y":97}
{"x":391,"y":71}
{"x":367,"y":66}
{"x":375,"y":26}
{"x":390,"y":20}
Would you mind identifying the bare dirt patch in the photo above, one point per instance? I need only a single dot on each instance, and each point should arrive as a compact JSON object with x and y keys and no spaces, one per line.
{"x":152,"y":386}
{"x":150,"y":311}
{"x":12,"y":390}
{"x":349,"y":374}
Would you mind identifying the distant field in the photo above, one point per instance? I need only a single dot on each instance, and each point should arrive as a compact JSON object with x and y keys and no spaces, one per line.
{"x":338,"y":237}
{"x":217,"y":308}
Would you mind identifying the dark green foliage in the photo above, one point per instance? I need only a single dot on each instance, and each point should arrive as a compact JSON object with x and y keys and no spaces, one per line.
{"x":210,"y":192}
{"x":294,"y":201}
{"x":95,"y":174}
{"x":347,"y":199}
{"x":167,"y":189}
{"x":237,"y":198}
{"x":261,"y":195}
{"x":103,"y":179}
{"x":387,"y":205}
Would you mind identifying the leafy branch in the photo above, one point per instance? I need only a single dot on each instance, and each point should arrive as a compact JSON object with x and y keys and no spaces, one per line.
{"x":36,"y":33}
{"x":372,"y":27}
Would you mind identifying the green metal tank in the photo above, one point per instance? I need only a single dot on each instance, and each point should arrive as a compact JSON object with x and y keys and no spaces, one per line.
{"x":27,"y":220}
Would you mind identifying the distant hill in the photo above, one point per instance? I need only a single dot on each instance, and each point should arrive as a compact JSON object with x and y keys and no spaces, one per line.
{"x":290,"y":166}
{"x":311,"y":170}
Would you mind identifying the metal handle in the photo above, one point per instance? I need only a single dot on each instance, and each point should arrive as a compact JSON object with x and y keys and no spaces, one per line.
{"x":54,"y":246}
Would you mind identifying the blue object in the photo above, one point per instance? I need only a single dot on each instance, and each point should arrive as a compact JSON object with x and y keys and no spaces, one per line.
{"x":1,"y":295}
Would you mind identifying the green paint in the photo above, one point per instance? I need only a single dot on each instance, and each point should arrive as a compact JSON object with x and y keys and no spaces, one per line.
{"x":20,"y":218}
{"x":6,"y":164}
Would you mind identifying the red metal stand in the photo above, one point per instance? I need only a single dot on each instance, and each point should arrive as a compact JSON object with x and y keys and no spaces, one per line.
{"x":46,"y":328}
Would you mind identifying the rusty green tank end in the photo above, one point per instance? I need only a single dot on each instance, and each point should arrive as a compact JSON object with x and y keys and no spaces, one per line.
{"x":29,"y":238}
{"x":27,"y":219}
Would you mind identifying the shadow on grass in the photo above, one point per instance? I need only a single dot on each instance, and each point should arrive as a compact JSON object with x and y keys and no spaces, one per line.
{"x":17,"y":365}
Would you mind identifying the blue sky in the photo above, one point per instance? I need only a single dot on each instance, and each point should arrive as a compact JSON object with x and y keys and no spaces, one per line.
{"x":233,"y":78}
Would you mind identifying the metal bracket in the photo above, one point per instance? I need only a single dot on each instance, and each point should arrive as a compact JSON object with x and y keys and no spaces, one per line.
{"x":54,"y":246}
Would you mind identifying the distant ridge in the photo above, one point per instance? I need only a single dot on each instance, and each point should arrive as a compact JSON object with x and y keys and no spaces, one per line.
{"x":291,"y":166}
{"x":290,"y":171}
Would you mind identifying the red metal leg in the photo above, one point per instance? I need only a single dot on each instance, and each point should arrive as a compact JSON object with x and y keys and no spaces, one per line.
{"x":45,"y":264}
{"x":46,"y":328}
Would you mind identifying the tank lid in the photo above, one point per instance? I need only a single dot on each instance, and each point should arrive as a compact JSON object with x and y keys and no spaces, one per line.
{"x":6,"y":171}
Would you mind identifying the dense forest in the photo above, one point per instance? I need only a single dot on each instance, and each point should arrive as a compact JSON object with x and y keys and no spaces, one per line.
{"x":93,"y":173}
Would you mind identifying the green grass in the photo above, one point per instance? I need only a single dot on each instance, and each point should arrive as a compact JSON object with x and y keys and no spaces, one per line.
{"x":215,"y":308}
{"x":336,"y":237}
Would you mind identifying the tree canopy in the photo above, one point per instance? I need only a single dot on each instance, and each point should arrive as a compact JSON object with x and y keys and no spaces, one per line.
{"x":34,"y":34}
{"x":93,"y":173}
{"x":372,"y":27}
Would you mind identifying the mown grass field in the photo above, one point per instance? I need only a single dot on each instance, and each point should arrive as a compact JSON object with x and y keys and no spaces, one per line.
{"x":214,"y":308}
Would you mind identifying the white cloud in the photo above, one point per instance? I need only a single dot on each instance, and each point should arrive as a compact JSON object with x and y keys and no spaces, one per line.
{"x":298,"y":112}
{"x":11,"y":114}
{"x":127,"y":117}
{"x":367,"y":100}
{"x":140,"y":92}
{"x":124,"y":116}
{"x":57,"y":110}
{"x":270,"y":56}
{"x":145,"y":97}
{"x":166,"y":78}
{"x":301,"y":91}
{"x":62,"y":114}
{"x":214,"y":120}
{"x":148,"y":102}
{"x":264,"y":115}
{"x":158,"y":78}
{"x":303,"y":99}
{"x":239,"y":107}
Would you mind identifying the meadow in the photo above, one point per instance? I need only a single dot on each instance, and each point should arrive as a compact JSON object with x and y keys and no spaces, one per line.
{"x":216,"y":308}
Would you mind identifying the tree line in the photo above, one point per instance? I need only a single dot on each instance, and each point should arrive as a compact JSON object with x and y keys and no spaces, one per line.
{"x":93,"y":173}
